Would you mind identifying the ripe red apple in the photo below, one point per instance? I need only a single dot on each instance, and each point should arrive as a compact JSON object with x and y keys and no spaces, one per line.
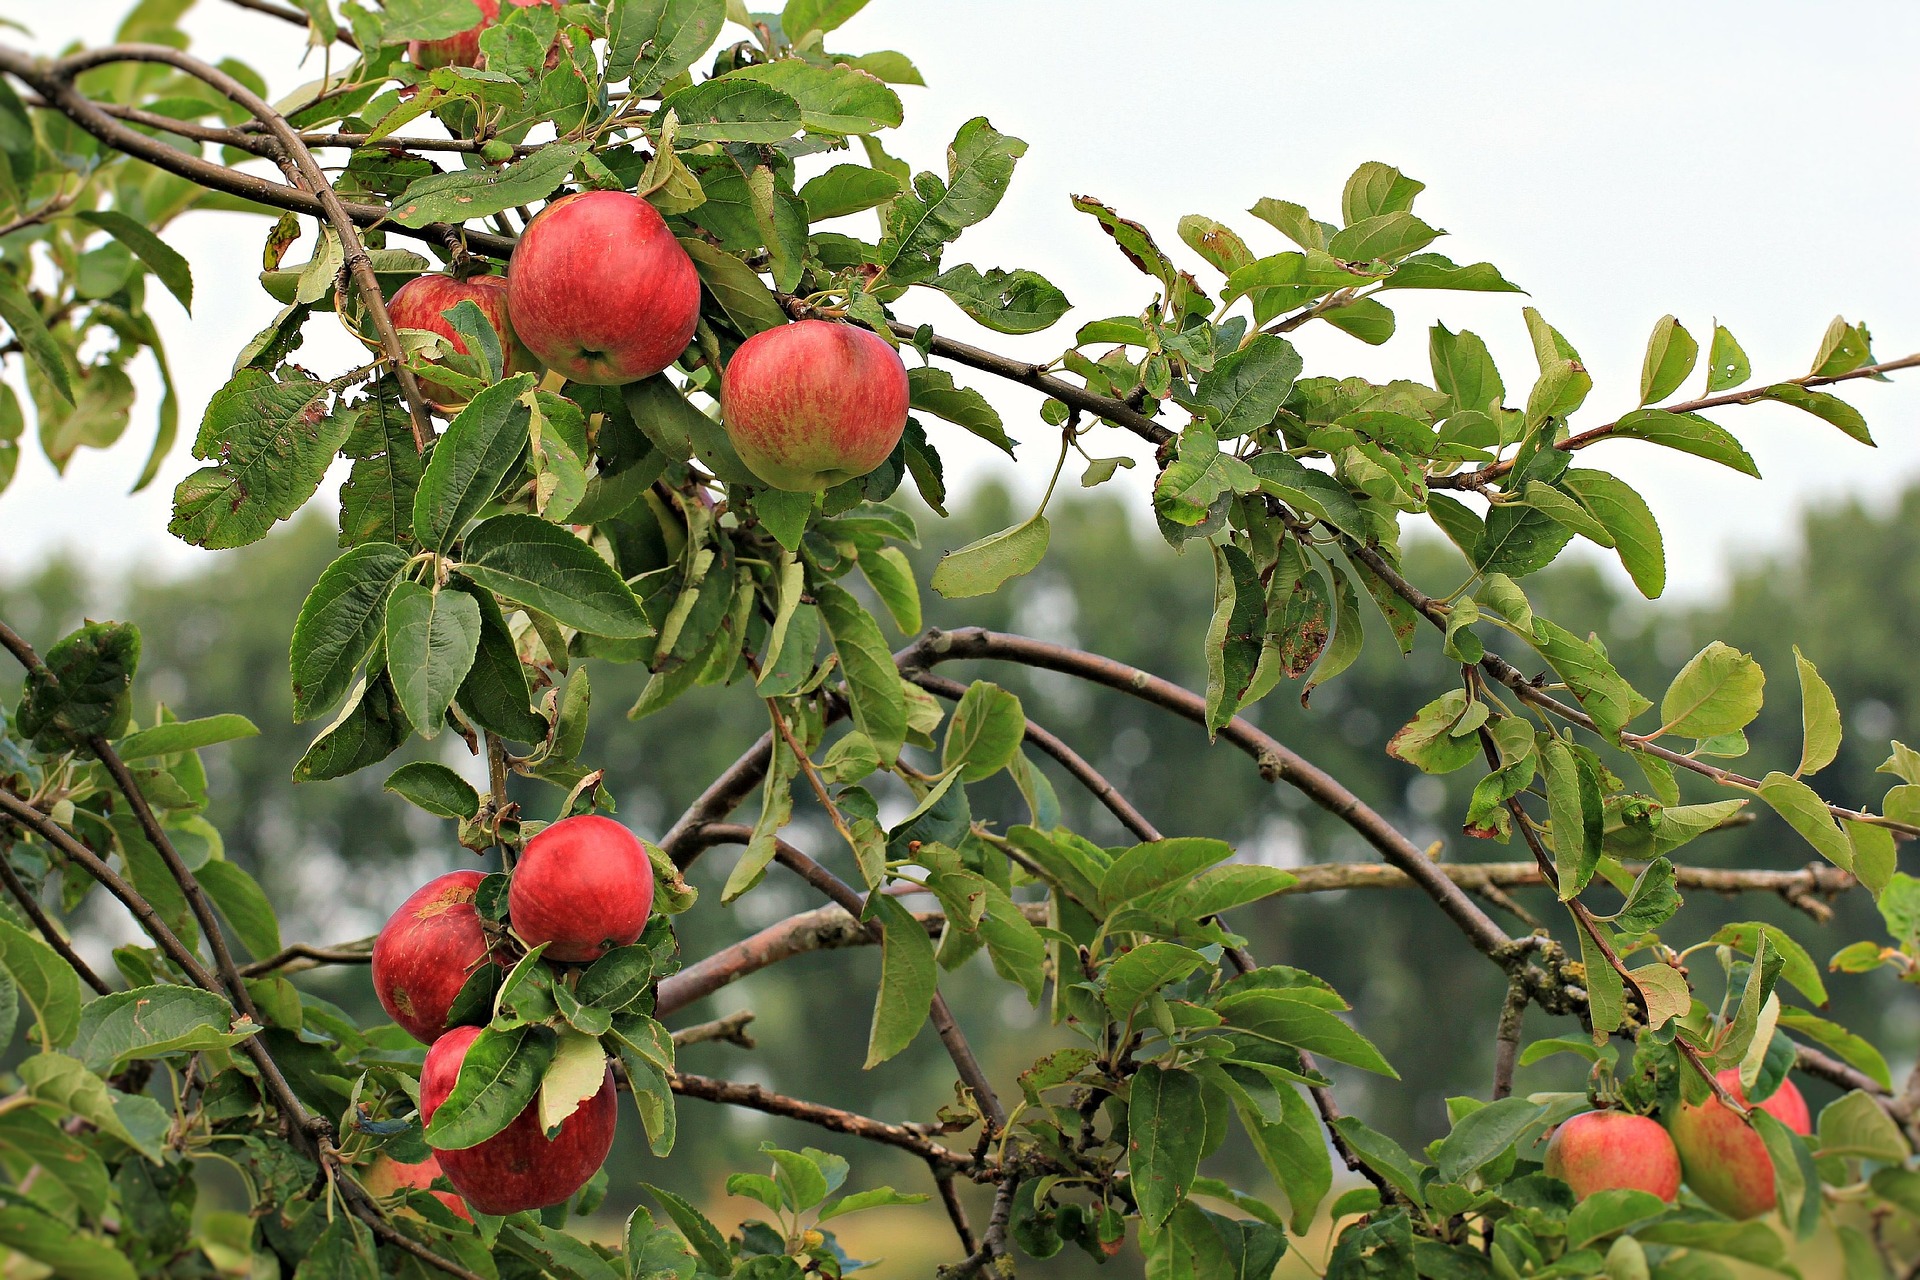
{"x":387,"y":1175}
{"x":463,"y":50}
{"x":518,"y":1168}
{"x":426,"y":951}
{"x":583,"y":885}
{"x":814,"y":403}
{"x":421,"y":303}
{"x":1606,"y":1150}
{"x":601,"y":291}
{"x":1726,"y":1162}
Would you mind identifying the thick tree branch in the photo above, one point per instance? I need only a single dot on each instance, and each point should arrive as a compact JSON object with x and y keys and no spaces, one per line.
{"x":754,"y":1097}
{"x":722,"y":796}
{"x":1276,"y":761}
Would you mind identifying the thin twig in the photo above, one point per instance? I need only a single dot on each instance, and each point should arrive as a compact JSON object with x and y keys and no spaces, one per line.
{"x":731,"y":1029}
{"x":300,"y":956}
{"x":48,"y":930}
{"x":1506,"y":1050}
{"x":756,"y":1098}
{"x":295,"y":16}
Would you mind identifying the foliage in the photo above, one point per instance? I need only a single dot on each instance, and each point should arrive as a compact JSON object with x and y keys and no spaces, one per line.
{"x":552,"y":529}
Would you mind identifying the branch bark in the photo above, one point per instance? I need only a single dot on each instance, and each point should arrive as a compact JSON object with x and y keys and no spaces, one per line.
{"x":754,"y":1097}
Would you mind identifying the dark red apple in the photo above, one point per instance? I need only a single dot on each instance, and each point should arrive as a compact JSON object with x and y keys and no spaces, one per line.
{"x":463,"y":50}
{"x":1609,"y":1150}
{"x":426,"y":951}
{"x":601,"y":291}
{"x":584,"y":885}
{"x":421,"y":303}
{"x":387,"y":1176}
{"x":1726,"y":1162}
{"x":519,"y":1167}
{"x":814,"y":403}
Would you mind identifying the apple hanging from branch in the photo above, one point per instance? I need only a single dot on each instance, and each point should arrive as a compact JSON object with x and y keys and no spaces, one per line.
{"x":426,"y":951}
{"x":812,"y":404}
{"x":1725,"y":1160}
{"x":583,"y":886}
{"x":422,"y":303}
{"x":1613,"y":1150}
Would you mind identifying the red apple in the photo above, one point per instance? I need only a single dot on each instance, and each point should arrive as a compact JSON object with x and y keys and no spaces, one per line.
{"x":1606,"y":1150}
{"x":463,"y":50}
{"x":519,"y":1167}
{"x":421,"y":303}
{"x":387,"y":1176}
{"x":814,"y":403}
{"x":426,"y":951}
{"x":1726,"y":1162}
{"x":601,"y":291}
{"x":584,"y":885}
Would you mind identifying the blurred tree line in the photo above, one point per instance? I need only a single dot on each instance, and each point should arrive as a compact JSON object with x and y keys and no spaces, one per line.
{"x":338,"y":856}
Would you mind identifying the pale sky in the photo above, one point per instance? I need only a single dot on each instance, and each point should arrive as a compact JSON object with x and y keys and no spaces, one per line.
{"x":1752,"y":162}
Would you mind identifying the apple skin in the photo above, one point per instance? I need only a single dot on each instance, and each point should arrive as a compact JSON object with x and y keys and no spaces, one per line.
{"x":814,"y":403}
{"x":601,"y":291}
{"x":420,"y":304}
{"x":1726,"y":1162}
{"x":584,"y":886}
{"x":463,"y":50}
{"x":387,"y":1176}
{"x":426,"y":951}
{"x":1605,"y":1150}
{"x":518,"y":1168}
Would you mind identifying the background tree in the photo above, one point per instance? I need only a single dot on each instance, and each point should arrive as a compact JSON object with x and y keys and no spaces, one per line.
{"x":682,"y":574}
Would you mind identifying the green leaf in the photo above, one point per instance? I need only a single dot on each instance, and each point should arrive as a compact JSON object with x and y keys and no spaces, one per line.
{"x":48,"y":983}
{"x":1856,"y":1125}
{"x":933,"y":391}
{"x":1807,"y":813}
{"x":431,"y":639}
{"x":1286,"y":1017}
{"x":984,"y":733}
{"x":1629,"y":522}
{"x":273,"y":442}
{"x":1613,"y":1210}
{"x":980,"y":163}
{"x":873,"y":683}
{"x":700,"y":1233}
{"x":1819,"y":719}
{"x":1826,"y":407}
{"x":802,"y":18}
{"x":907,"y":977}
{"x":980,"y":568}
{"x":470,"y":460}
{"x":1235,"y":633}
{"x":1313,"y":492}
{"x":1018,"y":301}
{"x":435,"y":788}
{"x":845,"y":189}
{"x":1144,"y":970}
{"x":495,"y":694}
{"x":836,"y":100}
{"x":1375,"y":189}
{"x":498,"y":1078}
{"x":1671,"y":352}
{"x":1148,"y":868}
{"x":1484,"y":1135}
{"x":1383,"y":1155}
{"x":1166,"y":1125}
{"x":244,"y":904}
{"x":578,"y":1072}
{"x":461,"y":194}
{"x":1382,"y":237}
{"x":368,"y":729}
{"x":731,"y":109}
{"x":47,"y":355}
{"x":39,"y":1141}
{"x":85,"y":689}
{"x":1574,"y":803}
{"x":1651,"y":901}
{"x":338,"y":624}
{"x":749,"y":305}
{"x":66,"y":1083}
{"x":1850,"y":1048}
{"x":185,"y":735}
{"x":1435,"y":271}
{"x":152,"y":1022}
{"x":161,"y":258}
{"x":1720,"y":690}
{"x":649,"y":42}
{"x":546,"y":567}
{"x":1609,"y":699}
{"x":891,"y":577}
{"x":1726,"y":363}
{"x":404,"y":20}
{"x":72,"y":1254}
{"x":1606,"y":990}
{"x":800,"y":1180}
{"x":1689,"y":433}
{"x":1244,"y":391}
{"x":877,"y":1198}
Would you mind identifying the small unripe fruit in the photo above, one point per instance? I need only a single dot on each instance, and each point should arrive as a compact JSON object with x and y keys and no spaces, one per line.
{"x":1611,"y":1150}
{"x":519,"y":1167}
{"x":601,"y":291}
{"x":387,"y":1176}
{"x":1725,"y":1160}
{"x":426,"y":951}
{"x":812,"y":404}
{"x":584,"y":886}
{"x":421,"y":303}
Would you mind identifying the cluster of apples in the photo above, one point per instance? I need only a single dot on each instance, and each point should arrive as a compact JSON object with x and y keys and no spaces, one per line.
{"x":1722,"y":1158}
{"x":582,"y":886}
{"x":600,"y":291}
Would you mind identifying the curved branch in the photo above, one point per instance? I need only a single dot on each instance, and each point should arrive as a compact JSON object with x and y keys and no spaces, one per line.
{"x":851,"y":902}
{"x":295,"y":16}
{"x":1277,"y":762}
{"x":48,"y":930}
{"x":301,"y":956}
{"x":249,"y":138}
{"x":735,"y":1094}
{"x":722,"y":796}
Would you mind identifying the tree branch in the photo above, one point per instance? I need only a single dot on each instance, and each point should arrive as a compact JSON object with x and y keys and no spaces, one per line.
{"x":301,"y":956}
{"x":752,"y":1096}
{"x":1276,"y":761}
{"x":48,"y":930}
{"x":295,"y":16}
{"x":732,"y":1029}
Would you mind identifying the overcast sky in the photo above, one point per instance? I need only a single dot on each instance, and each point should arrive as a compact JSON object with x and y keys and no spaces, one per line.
{"x":1752,"y":162}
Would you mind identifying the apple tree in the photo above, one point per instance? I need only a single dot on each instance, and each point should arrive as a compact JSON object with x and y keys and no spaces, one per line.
{"x":651,"y":319}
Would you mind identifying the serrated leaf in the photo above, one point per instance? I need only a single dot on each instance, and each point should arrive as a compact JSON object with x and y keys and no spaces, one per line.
{"x":1689,"y":433}
{"x":499,"y":1076}
{"x":185,"y":735}
{"x":461,"y":194}
{"x":1819,"y":719}
{"x":435,"y":788}
{"x":273,"y":442}
{"x":1671,"y":352}
{"x":1720,"y":690}
{"x":431,"y":638}
{"x":907,"y":976}
{"x":980,"y":568}
{"x":470,"y":460}
{"x":340,"y":620}
{"x":161,"y":258}
{"x":649,"y":42}
{"x":1726,"y":363}
{"x":546,"y":567}
{"x":873,"y":683}
{"x":1166,"y":1126}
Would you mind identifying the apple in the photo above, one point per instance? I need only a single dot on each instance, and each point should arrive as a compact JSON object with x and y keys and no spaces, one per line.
{"x":463,"y":50}
{"x":426,"y":951}
{"x":387,"y":1176}
{"x":601,"y":291}
{"x":811,"y":404}
{"x":1726,"y":1162}
{"x":519,"y":1167}
{"x":1607,"y":1150}
{"x":584,"y":886}
{"x":421,"y":303}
